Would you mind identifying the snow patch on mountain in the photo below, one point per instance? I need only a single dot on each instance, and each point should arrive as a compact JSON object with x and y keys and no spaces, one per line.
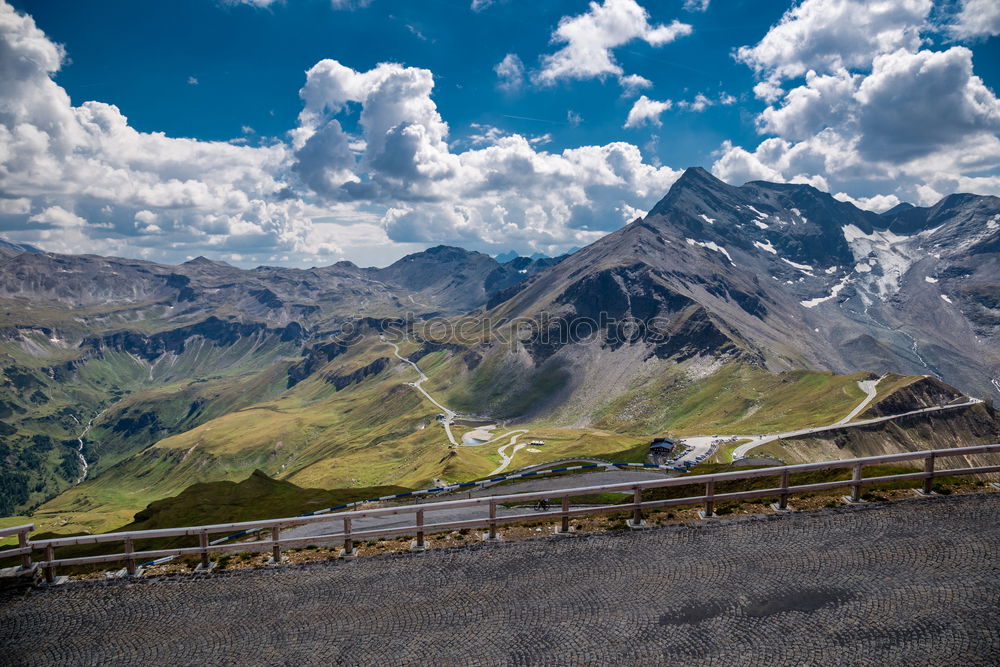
{"x":812,"y":303}
{"x":712,"y":245}
{"x":766,"y":246}
{"x":975,"y":238}
{"x":800,"y":267}
{"x":891,"y":253}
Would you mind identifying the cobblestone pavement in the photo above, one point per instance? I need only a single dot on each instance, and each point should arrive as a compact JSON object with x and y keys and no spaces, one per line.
{"x":914,"y":582}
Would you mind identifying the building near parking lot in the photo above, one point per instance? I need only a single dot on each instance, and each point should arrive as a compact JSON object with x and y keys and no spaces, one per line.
{"x":662,"y":446}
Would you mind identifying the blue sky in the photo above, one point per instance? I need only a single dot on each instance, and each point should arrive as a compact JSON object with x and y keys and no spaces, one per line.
{"x":250,"y":63}
{"x":536,"y":126}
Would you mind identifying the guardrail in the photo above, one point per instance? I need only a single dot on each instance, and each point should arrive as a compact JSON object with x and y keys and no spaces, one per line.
{"x":483,"y":483}
{"x":491,"y":521}
{"x":23,"y":545}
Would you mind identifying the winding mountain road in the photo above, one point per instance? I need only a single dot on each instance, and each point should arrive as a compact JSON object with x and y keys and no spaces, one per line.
{"x":757,"y":441}
{"x":504,"y":458}
{"x":869,"y":387}
{"x":698,"y":447}
{"x":449,"y":415}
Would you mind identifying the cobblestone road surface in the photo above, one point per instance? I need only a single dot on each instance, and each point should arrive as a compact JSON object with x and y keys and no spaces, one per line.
{"x":907,"y":583}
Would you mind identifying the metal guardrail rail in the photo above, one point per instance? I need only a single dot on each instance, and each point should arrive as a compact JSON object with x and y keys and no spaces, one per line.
{"x":26,"y":547}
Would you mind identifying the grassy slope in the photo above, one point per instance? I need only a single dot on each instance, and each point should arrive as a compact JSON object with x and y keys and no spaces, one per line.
{"x":892,"y":383}
{"x":39,"y":403}
{"x":256,"y":497}
{"x":177,"y":407}
{"x":43,"y":397}
{"x":736,"y":399}
{"x":381,"y":432}
{"x":377,"y":432}
{"x":364,"y":435}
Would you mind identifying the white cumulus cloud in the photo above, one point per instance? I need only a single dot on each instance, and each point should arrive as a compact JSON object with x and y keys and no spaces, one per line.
{"x":829,"y":35}
{"x":646,"y":111}
{"x":633,"y":83}
{"x":80,"y":178}
{"x":871,"y":113}
{"x":510,"y":72}
{"x":252,"y":3}
{"x":976,"y":19}
{"x":86,"y":169}
{"x":876,"y":203}
{"x":696,"y":5}
{"x":503,"y":192}
{"x":591,"y":37}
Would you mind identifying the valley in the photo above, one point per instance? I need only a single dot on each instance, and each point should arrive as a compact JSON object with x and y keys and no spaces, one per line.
{"x":771,"y":316}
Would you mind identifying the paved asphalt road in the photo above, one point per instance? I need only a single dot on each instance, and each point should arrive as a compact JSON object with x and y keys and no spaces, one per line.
{"x":449,"y":415}
{"x":870,"y":387}
{"x":742,"y":450}
{"x":464,"y":513}
{"x":400,"y":520}
{"x":913,"y":582}
{"x":614,"y":476}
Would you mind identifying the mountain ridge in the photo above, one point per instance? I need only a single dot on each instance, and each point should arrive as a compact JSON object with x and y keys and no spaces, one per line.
{"x":823,"y":286}
{"x":719,"y":288}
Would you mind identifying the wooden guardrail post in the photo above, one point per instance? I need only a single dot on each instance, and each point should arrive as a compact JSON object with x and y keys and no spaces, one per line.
{"x":929,"y":480}
{"x":129,"y":558}
{"x":206,"y":564}
{"x":418,"y":544}
{"x":275,"y":545}
{"x":564,"y":521}
{"x":709,"y":511}
{"x":50,"y":570}
{"x":22,"y":543}
{"x":782,"y":504}
{"x":492,"y":534}
{"x":348,"y":550}
{"x":855,"y":496}
{"x":637,"y":521}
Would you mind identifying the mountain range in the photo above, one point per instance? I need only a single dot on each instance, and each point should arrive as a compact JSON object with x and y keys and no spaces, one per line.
{"x":789,"y":277}
{"x":724,"y":308}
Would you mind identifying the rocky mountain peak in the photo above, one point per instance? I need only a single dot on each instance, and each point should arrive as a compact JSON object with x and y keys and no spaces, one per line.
{"x":14,"y":248}
{"x":696,"y":189}
{"x":960,"y":209}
